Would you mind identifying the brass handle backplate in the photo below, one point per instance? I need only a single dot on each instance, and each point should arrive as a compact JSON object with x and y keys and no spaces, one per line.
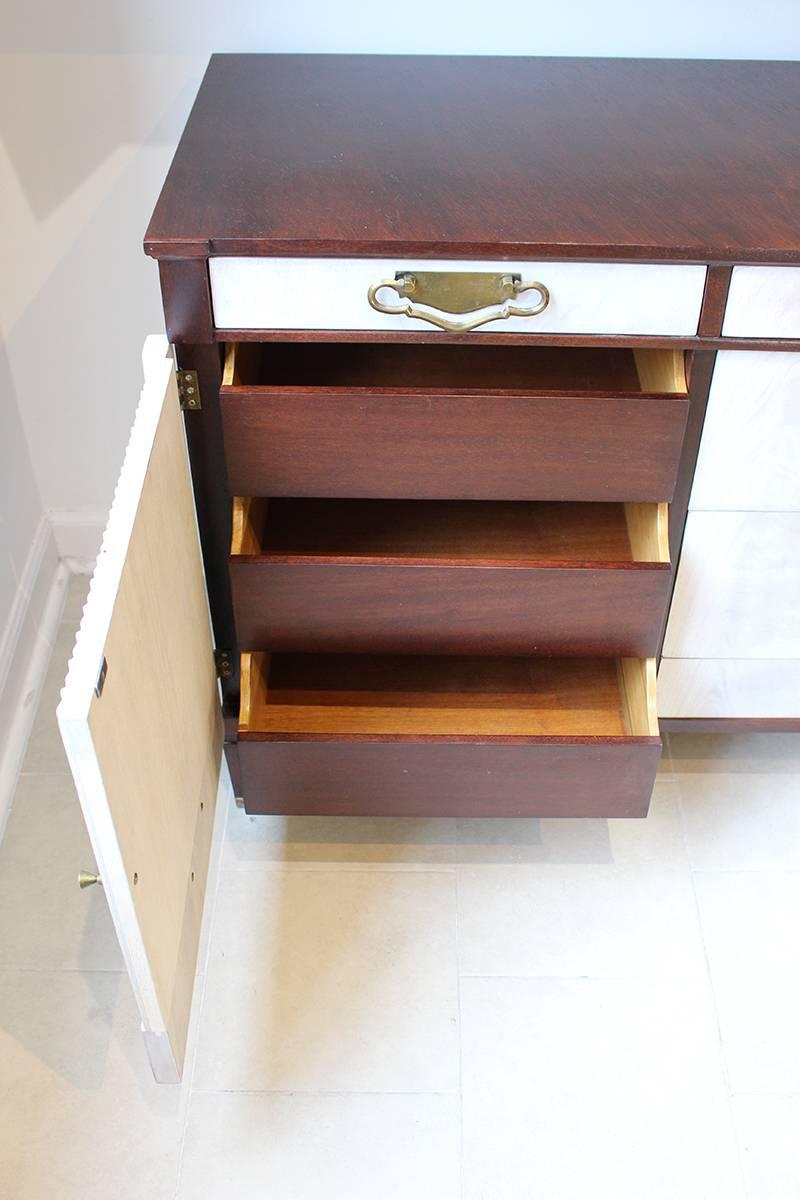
{"x":445,"y":293}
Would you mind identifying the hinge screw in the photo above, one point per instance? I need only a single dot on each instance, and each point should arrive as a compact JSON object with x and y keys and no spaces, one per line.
{"x":224,"y":663}
{"x":188,"y":389}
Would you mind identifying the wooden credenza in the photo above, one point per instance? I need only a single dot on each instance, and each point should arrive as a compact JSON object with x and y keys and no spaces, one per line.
{"x":491,"y":396}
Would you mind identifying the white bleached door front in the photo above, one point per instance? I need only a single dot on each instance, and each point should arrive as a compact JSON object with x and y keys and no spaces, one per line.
{"x":140,"y":717}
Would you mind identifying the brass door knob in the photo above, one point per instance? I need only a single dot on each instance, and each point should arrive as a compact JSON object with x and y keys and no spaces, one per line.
{"x":86,"y":879}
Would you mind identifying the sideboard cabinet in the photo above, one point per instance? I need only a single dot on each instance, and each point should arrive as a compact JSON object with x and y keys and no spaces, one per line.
{"x":480,"y":393}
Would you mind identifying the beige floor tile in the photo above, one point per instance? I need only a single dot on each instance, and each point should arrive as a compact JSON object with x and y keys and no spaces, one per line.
{"x":665,"y":765}
{"x":630,"y":911}
{"x":331,"y":1147}
{"x":398,"y":843}
{"x":77,"y":591}
{"x":606,"y":1089}
{"x":739,"y":798}
{"x":45,"y":920}
{"x":386,"y":841}
{"x":80,"y":1115}
{"x":750,"y":925}
{"x":699,"y":752}
{"x":331,"y":980}
{"x":579,"y":920}
{"x":769,"y":1138}
{"x":45,"y":751}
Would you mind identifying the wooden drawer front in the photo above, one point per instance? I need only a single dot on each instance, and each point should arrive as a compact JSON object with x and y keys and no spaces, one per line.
{"x":763,"y":302}
{"x":421,"y":780}
{"x":453,"y":422}
{"x":331,"y":293}
{"x":450,"y":736}
{"x":750,"y":450}
{"x":449,"y":577}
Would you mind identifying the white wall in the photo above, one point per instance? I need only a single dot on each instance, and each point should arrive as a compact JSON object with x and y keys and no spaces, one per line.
{"x":24,"y":530}
{"x":92,"y":100}
{"x":28,"y":567}
{"x":87,"y":139}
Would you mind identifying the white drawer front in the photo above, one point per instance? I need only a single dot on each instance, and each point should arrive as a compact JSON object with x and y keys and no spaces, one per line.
{"x":750,"y":450}
{"x":728,"y":687}
{"x":763,"y":302}
{"x":328,"y":293}
{"x":737,"y":593}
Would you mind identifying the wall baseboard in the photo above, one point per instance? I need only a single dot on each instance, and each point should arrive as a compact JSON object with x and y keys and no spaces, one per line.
{"x":78,"y":536}
{"x":32,"y":590}
{"x":25,"y":650}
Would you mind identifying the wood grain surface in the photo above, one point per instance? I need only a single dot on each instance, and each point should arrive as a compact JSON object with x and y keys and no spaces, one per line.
{"x":425,"y":443}
{"x":449,"y":577}
{"x":454,"y":366}
{"x":526,"y":533}
{"x":357,"y":697}
{"x":384,"y":736}
{"x":489,"y":157}
{"x":391,"y":779}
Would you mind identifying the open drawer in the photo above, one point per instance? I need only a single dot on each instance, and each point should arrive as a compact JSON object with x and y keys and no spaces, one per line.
{"x":449,"y":577}
{"x":412,"y":736}
{"x":439,"y":421}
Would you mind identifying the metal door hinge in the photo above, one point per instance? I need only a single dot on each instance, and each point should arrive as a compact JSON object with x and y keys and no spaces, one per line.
{"x":188,"y":390}
{"x":224,"y":663}
{"x":100,"y":682}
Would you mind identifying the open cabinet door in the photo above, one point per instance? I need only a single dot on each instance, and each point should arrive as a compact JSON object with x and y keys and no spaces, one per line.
{"x":141,"y":721}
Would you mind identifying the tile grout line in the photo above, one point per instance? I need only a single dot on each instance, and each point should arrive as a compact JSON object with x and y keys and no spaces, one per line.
{"x":590,"y":977}
{"x":201,"y":1000}
{"x":304,"y":1092}
{"x":460,"y":1040}
{"x":746,"y":870}
{"x":340,"y":868}
{"x":767,"y":1095}
{"x":66,"y":775}
{"x":666,"y":758}
{"x":62,"y":970}
{"x":723,"y":1057}
{"x":190,"y":1081}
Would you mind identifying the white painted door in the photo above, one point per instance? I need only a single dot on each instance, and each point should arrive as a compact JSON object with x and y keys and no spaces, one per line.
{"x":732,"y":648}
{"x":140,"y":717}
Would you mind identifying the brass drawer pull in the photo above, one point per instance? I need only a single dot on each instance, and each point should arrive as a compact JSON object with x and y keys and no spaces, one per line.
{"x":458,"y":292}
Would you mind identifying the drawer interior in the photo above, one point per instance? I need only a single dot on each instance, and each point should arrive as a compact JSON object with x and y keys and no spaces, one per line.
{"x":380,"y":365}
{"x":530,"y":532}
{"x":352,"y":697}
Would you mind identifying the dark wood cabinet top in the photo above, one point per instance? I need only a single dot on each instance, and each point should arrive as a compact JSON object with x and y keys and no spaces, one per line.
{"x":487,"y":157}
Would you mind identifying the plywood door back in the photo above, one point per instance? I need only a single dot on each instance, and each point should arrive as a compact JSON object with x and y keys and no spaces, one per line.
{"x":147,"y":751}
